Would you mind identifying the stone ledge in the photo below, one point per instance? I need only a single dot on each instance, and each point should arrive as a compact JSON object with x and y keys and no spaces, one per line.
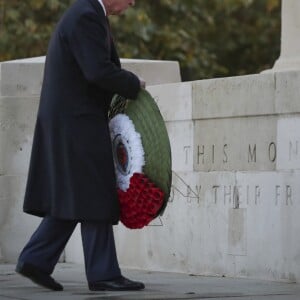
{"x":23,"y":77}
{"x":174,"y":100}
{"x":154,"y":71}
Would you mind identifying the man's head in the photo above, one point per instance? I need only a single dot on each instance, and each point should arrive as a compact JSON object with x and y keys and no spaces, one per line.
{"x":116,"y":7}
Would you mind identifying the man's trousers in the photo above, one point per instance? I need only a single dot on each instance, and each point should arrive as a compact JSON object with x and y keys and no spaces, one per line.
{"x":49,"y":240}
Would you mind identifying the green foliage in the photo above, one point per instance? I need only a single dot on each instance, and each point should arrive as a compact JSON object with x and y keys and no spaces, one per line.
{"x":25,"y":26}
{"x":210,"y":38}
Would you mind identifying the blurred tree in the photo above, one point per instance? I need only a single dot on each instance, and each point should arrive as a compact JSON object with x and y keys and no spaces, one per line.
{"x":210,"y":38}
{"x":25,"y":26}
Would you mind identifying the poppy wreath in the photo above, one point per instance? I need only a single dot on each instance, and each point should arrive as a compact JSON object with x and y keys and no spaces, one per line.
{"x":142,"y":158}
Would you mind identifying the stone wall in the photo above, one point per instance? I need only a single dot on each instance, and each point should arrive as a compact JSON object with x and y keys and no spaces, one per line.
{"x":20,"y":85}
{"x":19,"y":98}
{"x":234,"y":203}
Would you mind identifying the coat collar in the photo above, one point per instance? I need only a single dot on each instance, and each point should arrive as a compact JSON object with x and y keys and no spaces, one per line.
{"x":96,"y":4}
{"x":103,"y":7}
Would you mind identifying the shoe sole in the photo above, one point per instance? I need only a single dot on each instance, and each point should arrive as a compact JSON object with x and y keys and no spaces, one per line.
{"x":37,"y":282}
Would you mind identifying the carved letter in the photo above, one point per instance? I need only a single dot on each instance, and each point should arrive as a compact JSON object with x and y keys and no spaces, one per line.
{"x":295,"y":151}
{"x":257,"y":193}
{"x":227,"y":194}
{"x":215,"y":187}
{"x":277,"y":193}
{"x":288,"y":195}
{"x":188,"y":193}
{"x":225,"y":159}
{"x":236,"y":196}
{"x":252,"y":154}
{"x":199,"y":154}
{"x":198,"y":189}
{"x":213,"y":154}
{"x":272,"y":152}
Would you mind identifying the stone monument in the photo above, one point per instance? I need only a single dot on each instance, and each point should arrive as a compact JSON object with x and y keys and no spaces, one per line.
{"x":235,"y":200}
{"x":290,"y":43}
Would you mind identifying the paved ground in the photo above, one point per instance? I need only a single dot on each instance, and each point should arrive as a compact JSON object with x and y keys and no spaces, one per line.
{"x":158,"y":286}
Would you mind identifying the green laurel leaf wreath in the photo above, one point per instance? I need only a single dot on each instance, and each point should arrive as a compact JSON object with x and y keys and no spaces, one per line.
{"x":148,"y":121}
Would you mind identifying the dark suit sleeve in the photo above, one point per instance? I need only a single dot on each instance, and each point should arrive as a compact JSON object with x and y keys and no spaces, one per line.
{"x":89,"y":43}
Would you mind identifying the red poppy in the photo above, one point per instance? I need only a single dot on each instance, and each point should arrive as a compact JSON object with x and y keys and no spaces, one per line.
{"x":141,"y":202}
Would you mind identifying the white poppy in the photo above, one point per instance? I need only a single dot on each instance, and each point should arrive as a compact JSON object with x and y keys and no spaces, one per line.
{"x":128,"y":150}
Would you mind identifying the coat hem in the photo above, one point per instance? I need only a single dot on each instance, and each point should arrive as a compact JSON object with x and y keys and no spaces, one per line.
{"x":43,"y":214}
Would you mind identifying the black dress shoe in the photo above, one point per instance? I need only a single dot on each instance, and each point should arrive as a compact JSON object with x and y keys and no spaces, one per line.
{"x":118,"y":284}
{"x":37,"y":276}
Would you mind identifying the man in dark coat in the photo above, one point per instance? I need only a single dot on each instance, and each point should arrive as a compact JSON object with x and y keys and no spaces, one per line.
{"x":71,"y":176}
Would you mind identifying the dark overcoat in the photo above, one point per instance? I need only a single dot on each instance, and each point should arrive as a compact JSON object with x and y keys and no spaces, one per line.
{"x":71,"y":174}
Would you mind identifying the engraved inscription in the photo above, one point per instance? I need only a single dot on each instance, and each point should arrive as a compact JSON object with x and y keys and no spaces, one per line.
{"x":293,"y":150}
{"x":248,"y":156}
{"x":236,"y":196}
{"x":254,"y":153}
{"x":272,"y":152}
{"x":21,"y":87}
